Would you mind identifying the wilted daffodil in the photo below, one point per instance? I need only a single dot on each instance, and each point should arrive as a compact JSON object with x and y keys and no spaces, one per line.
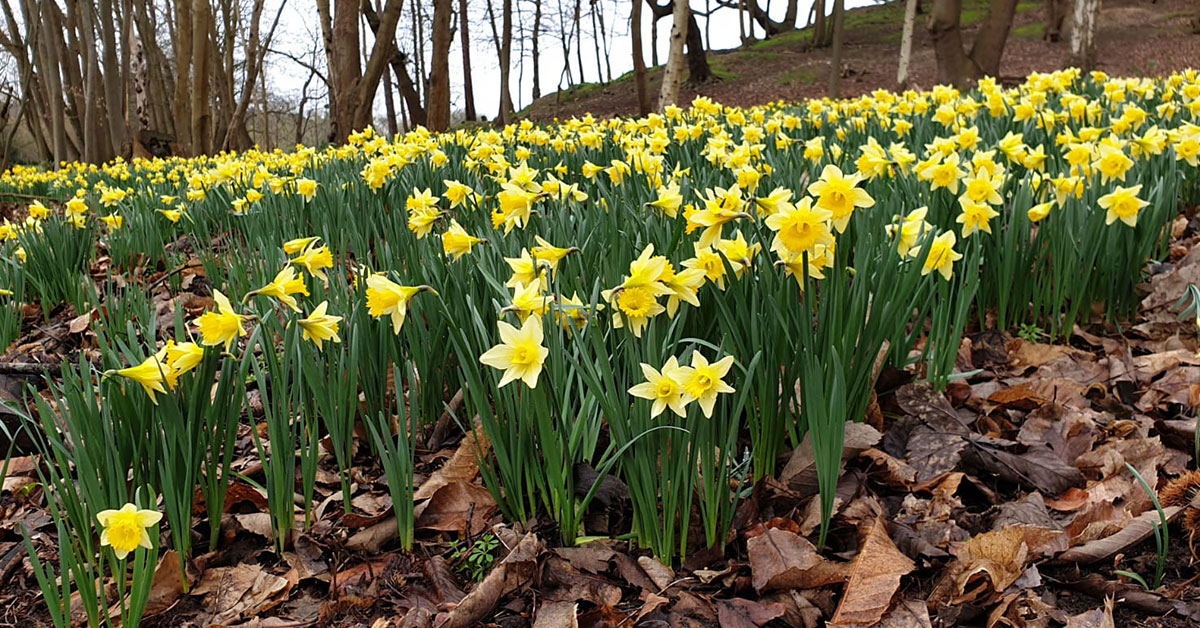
{"x":124,"y":530}
{"x":520,"y":353}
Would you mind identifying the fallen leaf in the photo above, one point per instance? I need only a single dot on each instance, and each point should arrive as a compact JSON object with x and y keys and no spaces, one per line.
{"x":742,"y":613}
{"x":461,"y":467}
{"x":1131,"y":533}
{"x":167,"y":585}
{"x":907,"y":613}
{"x":513,"y":571}
{"x":800,"y":472}
{"x":456,"y":507}
{"x":238,"y":591}
{"x":874,"y":578}
{"x":659,"y":574}
{"x":556,"y":615}
{"x":779,"y":560}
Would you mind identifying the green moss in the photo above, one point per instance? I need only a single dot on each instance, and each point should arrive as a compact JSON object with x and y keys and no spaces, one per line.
{"x":1029,"y":31}
{"x":791,"y":38}
{"x":797,"y":76}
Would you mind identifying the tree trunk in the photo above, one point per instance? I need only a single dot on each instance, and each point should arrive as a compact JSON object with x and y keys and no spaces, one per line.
{"x":1056,"y":11}
{"x":505,"y":113}
{"x":344,"y":68}
{"x":639,"y":59}
{"x":579,"y":45}
{"x":835,"y":63}
{"x":910,"y":16}
{"x":819,"y":37}
{"x":389,"y":103}
{"x":993,"y":33}
{"x":697,"y":58}
{"x":673,"y":74}
{"x":954,"y":67}
{"x":113,"y":92}
{"x":468,"y":84}
{"x":596,"y":44}
{"x":654,"y":38}
{"x":437,"y":100}
{"x":537,"y":59}
{"x":201,"y":115}
{"x":1083,"y":34}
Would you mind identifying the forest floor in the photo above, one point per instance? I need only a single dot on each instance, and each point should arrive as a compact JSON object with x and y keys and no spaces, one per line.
{"x":1134,"y":38}
{"x":1005,"y":501}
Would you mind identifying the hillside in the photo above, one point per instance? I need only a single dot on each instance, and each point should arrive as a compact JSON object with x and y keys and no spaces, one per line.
{"x":1135,"y":37}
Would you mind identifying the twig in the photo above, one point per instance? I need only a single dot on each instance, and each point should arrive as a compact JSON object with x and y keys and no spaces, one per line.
{"x":30,"y":368}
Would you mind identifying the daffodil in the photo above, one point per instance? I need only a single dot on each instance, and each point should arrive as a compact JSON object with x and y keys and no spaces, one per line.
{"x":223,"y":326}
{"x":941,"y":255}
{"x":663,"y":388}
{"x":282,"y":287}
{"x":124,"y":530}
{"x":839,"y":194}
{"x":975,"y":217}
{"x":800,"y":227}
{"x":151,"y":374}
{"x":1122,"y":204}
{"x":520,"y":353}
{"x":306,"y":188}
{"x":456,"y":242}
{"x":703,"y":381}
{"x":388,"y":298}
{"x":314,"y":260}
{"x":319,"y":326}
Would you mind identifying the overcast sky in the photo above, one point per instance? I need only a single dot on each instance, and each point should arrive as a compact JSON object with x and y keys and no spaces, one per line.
{"x":298,"y":28}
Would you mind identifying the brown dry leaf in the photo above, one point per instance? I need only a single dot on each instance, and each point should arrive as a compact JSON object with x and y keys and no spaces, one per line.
{"x":987,"y":563}
{"x":907,"y":613}
{"x":874,"y":578}
{"x":456,"y":507}
{"x":778,"y":558}
{"x":1095,"y":618}
{"x":167,"y":585}
{"x":1129,"y":534}
{"x":1023,"y":354}
{"x":81,"y":322}
{"x":514,"y":571}
{"x":742,"y":613}
{"x":1018,"y":397}
{"x":461,"y":467}
{"x":800,"y":472}
{"x":659,"y":574}
{"x":238,"y":591}
{"x":893,"y":472}
{"x":556,"y":615}
{"x":1073,"y":499}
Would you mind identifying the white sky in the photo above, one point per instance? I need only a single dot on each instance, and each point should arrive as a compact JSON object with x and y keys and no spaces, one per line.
{"x":298,"y":27}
